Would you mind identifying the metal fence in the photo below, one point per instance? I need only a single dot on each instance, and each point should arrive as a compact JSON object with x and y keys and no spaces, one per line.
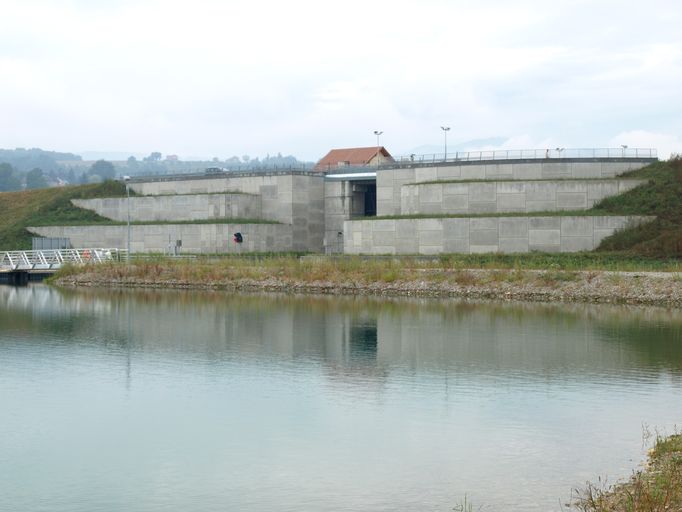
{"x":522,"y":154}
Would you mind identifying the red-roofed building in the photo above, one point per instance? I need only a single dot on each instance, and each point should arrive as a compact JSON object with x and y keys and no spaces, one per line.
{"x":350,"y":157}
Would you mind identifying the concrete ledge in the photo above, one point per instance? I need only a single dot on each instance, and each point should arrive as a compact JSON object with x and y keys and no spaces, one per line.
{"x":508,"y":196}
{"x":482,"y":234}
{"x":196,"y":238}
{"x":175,"y":207}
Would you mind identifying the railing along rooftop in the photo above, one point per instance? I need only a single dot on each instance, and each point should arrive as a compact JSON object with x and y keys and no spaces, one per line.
{"x":523,"y":154}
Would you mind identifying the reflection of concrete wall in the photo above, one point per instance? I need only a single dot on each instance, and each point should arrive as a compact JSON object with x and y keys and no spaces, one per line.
{"x":481,"y":234}
{"x":390,"y":181}
{"x":508,"y":196}
{"x":482,"y":338}
{"x":196,"y":238}
{"x":175,"y":207}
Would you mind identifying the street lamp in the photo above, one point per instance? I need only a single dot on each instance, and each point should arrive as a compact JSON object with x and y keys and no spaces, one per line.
{"x":377,"y":133}
{"x":624,"y":146}
{"x":445,"y":129}
{"x":128,"y":205}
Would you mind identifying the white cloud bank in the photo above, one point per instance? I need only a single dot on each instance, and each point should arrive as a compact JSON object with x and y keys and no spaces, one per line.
{"x":219,"y":78}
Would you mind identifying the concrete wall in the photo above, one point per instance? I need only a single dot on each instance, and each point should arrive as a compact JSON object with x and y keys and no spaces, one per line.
{"x":196,"y":238}
{"x":338,"y":198}
{"x":290,"y":197}
{"x":390,"y":181}
{"x":481,"y":234}
{"x":508,"y":196}
{"x":175,"y":207}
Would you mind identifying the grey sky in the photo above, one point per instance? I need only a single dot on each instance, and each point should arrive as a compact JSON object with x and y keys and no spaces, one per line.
{"x":219,"y":78}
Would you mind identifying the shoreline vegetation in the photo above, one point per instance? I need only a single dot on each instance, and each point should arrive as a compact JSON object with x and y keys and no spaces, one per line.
{"x":655,"y":488}
{"x":584,"y":277}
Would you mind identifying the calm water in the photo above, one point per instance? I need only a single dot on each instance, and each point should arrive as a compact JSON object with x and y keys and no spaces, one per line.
{"x":151,"y":401}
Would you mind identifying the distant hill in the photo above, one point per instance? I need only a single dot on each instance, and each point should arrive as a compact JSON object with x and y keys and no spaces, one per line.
{"x":469,"y":145}
{"x":24,"y":160}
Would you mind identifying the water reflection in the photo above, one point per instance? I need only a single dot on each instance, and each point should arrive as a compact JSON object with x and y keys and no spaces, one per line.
{"x":150,"y":400}
{"x":419,"y":334}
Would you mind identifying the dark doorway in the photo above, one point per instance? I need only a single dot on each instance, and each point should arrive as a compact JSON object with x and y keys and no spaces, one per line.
{"x":371,"y":201}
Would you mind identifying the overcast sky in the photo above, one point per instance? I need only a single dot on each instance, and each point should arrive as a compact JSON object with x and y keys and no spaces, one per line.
{"x":222,"y":78}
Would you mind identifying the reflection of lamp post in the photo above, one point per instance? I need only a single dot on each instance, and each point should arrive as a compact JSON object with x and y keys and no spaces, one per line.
{"x":445,"y":129}
{"x":377,"y":133}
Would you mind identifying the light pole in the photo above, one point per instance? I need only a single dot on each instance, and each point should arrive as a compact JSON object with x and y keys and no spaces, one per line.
{"x":624,"y":146}
{"x":445,"y":129}
{"x":378,"y":133}
{"x":128,"y":204}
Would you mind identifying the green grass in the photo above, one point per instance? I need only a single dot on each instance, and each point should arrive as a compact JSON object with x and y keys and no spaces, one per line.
{"x":657,"y":488}
{"x":49,"y":206}
{"x":660,"y":196}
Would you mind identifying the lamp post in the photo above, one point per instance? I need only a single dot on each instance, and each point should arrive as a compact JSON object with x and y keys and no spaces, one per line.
{"x":445,"y":129}
{"x":624,"y":146}
{"x":378,"y":133}
{"x":128,"y":205}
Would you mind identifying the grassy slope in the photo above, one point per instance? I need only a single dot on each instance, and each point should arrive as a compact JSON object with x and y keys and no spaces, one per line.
{"x":48,"y":206}
{"x":662,"y":197}
{"x":657,"y":488}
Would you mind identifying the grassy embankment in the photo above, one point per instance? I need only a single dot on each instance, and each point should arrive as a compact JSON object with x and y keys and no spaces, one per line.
{"x":52,"y":207}
{"x":657,"y":488}
{"x":48,"y":206}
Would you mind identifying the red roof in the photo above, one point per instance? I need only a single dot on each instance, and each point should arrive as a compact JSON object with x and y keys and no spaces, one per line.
{"x":350,"y":156}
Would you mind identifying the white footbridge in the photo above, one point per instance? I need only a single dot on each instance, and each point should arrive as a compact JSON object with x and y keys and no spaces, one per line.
{"x":51,"y":260}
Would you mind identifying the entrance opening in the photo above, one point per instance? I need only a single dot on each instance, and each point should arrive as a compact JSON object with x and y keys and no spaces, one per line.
{"x":364,"y":199}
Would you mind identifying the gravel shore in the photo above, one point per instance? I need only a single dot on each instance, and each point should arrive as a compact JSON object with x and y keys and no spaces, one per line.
{"x":645,"y":288}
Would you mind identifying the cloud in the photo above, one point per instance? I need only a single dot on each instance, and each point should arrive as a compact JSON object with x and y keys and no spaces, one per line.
{"x":666,"y":144}
{"x":223,"y":78}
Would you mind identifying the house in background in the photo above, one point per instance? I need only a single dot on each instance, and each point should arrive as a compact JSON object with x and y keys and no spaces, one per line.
{"x":354,"y":157}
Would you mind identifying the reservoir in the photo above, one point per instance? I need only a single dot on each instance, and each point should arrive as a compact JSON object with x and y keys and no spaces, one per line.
{"x":174,"y":400}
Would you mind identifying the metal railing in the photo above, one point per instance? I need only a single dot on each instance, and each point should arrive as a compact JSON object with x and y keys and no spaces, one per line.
{"x":53,"y":259}
{"x":521,"y":154}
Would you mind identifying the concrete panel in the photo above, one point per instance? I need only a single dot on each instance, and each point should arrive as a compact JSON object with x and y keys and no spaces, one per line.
{"x":482,"y":249}
{"x":514,"y":245}
{"x":483,"y":223}
{"x":511,"y":203}
{"x":455,"y":228}
{"x":577,"y":226}
{"x":482,"y":192}
{"x":459,"y":245}
{"x":455,"y":204}
{"x":544,"y":222}
{"x":544,"y":237}
{"x":513,"y":227}
{"x":483,"y":237}
{"x":570,"y":200}
{"x":577,"y":243}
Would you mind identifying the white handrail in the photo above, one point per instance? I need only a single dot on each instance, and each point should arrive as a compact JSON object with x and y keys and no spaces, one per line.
{"x":53,"y":259}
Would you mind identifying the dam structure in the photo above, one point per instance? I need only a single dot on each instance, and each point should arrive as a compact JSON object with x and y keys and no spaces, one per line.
{"x":495,"y":201}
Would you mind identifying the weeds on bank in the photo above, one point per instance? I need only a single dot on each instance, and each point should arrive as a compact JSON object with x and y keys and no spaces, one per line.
{"x":657,"y":488}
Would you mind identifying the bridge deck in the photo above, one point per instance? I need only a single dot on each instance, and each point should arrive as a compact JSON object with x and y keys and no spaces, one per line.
{"x":52,"y":260}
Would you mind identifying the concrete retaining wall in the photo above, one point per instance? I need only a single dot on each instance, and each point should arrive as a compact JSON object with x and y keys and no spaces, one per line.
{"x":196,"y":238}
{"x":175,"y":207}
{"x":291,"y":197}
{"x":508,"y":196}
{"x":390,"y":181}
{"x":481,"y":234}
{"x":338,"y":198}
